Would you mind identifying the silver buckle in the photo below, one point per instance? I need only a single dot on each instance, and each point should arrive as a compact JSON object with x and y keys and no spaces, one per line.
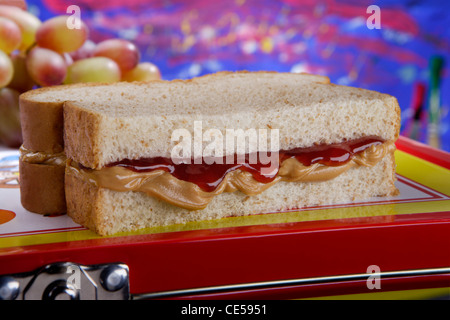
{"x":68,"y":281}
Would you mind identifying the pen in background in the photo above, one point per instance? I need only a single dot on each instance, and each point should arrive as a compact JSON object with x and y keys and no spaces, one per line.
{"x":434,"y":106}
{"x":415,"y":115}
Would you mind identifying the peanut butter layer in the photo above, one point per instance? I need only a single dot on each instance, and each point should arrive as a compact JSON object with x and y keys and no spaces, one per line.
{"x":188,"y":195}
{"x":28,"y":156}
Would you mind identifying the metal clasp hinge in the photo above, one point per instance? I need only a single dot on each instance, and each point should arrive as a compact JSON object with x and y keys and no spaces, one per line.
{"x":68,"y":281}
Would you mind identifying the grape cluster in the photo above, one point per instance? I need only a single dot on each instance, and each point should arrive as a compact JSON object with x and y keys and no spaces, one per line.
{"x":39,"y":54}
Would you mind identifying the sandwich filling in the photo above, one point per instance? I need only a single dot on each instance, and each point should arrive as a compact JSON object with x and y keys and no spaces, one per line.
{"x":193,"y":186}
{"x":28,"y":156}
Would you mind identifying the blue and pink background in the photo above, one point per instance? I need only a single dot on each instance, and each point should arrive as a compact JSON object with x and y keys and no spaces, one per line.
{"x":330,"y":37}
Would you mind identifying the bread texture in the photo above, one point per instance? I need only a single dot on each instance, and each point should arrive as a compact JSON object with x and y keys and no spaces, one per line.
{"x":108,"y":212}
{"x":105,"y":123}
{"x":42,"y":123}
{"x":41,"y":113}
{"x":42,"y":185}
{"x":137,"y":120}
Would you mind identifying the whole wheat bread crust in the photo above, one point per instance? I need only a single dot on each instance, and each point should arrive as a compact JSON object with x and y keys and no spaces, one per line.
{"x":80,"y":128}
{"x":42,"y":126}
{"x":42,"y":188}
{"x":42,"y":121}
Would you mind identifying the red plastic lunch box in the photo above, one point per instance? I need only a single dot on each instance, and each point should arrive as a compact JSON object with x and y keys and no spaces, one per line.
{"x":386,"y":248}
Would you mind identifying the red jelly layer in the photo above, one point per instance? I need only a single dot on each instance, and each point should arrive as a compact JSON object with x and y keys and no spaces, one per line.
{"x":209,"y":176}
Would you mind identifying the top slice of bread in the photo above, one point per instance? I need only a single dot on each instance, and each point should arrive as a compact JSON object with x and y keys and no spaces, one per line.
{"x":108,"y":123}
{"x":41,"y":110}
{"x":41,"y":115}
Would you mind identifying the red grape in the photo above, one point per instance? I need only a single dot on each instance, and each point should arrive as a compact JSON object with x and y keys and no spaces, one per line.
{"x":46,"y":67}
{"x":123,"y":52}
{"x":86,"y":51}
{"x":10,"y":35}
{"x":10,"y":130}
{"x":21,"y":80}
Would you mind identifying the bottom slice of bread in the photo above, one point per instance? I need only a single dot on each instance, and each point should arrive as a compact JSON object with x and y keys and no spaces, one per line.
{"x":108,"y":212}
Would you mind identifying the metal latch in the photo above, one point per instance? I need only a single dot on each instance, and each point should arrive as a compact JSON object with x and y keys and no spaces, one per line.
{"x":68,"y":281}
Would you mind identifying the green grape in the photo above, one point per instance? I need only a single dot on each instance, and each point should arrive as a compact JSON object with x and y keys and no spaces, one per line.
{"x":54,"y":34}
{"x":27,"y":23}
{"x":95,"y":69}
{"x":6,"y":69}
{"x":144,"y":71}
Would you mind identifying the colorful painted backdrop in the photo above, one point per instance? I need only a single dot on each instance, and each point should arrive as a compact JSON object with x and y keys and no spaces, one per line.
{"x":330,"y":37}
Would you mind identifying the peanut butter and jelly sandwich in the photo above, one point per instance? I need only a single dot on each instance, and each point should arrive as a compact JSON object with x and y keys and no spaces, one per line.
{"x":228,"y":144}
